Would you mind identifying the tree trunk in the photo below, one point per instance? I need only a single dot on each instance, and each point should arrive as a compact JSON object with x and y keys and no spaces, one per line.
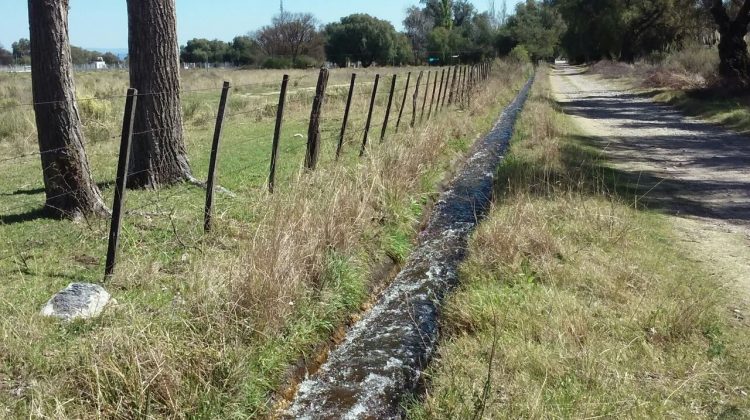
{"x":734,"y":64}
{"x":158,"y":154}
{"x":734,"y":61}
{"x":68,"y":184}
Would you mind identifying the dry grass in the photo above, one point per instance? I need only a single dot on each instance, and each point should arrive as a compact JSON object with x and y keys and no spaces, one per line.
{"x":693,"y":67}
{"x":576,"y":305}
{"x":211,"y":333}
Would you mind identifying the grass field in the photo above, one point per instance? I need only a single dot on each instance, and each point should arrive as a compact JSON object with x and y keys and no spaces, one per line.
{"x":575,"y":304}
{"x":208,"y":325}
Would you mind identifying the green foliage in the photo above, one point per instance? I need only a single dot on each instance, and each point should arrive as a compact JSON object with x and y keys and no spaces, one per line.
{"x":22,"y":51}
{"x":6,"y":57}
{"x":361,"y":37}
{"x":627,"y":30}
{"x":538,"y":27}
{"x":443,"y":29}
{"x":519,"y":54}
{"x":242,"y":51}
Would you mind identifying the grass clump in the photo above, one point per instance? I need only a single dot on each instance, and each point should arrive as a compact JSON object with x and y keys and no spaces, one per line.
{"x":575,"y":304}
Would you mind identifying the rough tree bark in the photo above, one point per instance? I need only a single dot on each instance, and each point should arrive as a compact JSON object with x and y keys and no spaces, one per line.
{"x":68,"y":184}
{"x":734,"y":60}
{"x":158,"y":154}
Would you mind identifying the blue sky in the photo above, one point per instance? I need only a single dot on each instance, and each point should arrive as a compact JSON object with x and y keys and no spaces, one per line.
{"x":103,"y":23}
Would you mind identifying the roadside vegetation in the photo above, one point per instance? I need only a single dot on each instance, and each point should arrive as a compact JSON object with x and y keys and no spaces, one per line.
{"x":210,"y":326}
{"x":577,"y":302}
{"x":687,"y":79}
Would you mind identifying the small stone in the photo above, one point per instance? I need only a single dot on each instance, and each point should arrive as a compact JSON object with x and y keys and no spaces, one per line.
{"x":78,"y":300}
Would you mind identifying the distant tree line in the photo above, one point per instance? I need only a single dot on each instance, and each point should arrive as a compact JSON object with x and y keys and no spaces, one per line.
{"x":627,"y":30}
{"x":438,"y":31}
{"x":20,"y":54}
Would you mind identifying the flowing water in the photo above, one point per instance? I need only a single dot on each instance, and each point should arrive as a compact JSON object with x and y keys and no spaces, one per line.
{"x":384,"y":354}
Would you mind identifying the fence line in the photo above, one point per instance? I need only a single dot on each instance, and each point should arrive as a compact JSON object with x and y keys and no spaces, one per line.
{"x":457,"y":85}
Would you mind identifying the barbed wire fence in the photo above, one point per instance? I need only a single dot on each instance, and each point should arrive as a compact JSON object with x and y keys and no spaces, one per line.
{"x":383,"y":105}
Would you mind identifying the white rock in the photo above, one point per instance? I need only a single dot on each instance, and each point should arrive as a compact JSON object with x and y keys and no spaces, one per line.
{"x":78,"y":300}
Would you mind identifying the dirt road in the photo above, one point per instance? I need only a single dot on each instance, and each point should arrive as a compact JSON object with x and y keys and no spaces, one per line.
{"x":693,"y":170}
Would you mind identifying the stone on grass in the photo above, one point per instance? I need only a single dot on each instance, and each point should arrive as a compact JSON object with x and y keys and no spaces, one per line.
{"x":77,"y":301}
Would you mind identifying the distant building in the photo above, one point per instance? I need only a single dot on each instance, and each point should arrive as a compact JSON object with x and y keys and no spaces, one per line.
{"x":99,"y":64}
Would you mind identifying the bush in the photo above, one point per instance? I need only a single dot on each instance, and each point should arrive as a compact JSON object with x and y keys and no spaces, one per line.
{"x":305,"y":62}
{"x":519,"y":54}
{"x":277,"y":63}
{"x":698,"y":60}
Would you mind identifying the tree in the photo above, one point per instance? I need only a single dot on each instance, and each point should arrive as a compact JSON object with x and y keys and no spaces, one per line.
{"x":291,"y":35}
{"x":245,"y":51}
{"x":418,"y":25}
{"x":538,"y":27}
{"x":111,"y":59}
{"x":68,"y":184}
{"x":625,"y":29}
{"x":361,"y":37}
{"x":22,"y":51}
{"x":158,"y":153}
{"x":734,"y":61}
{"x":6,"y":57}
{"x":441,"y":12}
{"x":463,"y":12}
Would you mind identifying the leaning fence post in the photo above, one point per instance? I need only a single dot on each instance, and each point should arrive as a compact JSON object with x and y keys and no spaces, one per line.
{"x":120,"y":182}
{"x":445,"y":91}
{"x":346,"y":116}
{"x":426,"y":92}
{"x":463,"y":86}
{"x":440,"y":91}
{"x":452,"y":93}
{"x":313,"y":131}
{"x":369,"y":115}
{"x":414,"y":99}
{"x":432,"y":99}
{"x":277,"y":134}
{"x":208,"y":209}
{"x":388,"y":108}
{"x":459,"y":92}
{"x":403,"y":101}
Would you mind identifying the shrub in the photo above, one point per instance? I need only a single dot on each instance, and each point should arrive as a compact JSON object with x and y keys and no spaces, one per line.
{"x":519,"y":54}
{"x":277,"y":63}
{"x":305,"y":62}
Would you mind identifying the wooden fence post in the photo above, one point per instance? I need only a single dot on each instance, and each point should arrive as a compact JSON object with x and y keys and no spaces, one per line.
{"x":313,"y":131}
{"x":414,"y":100}
{"x":346,"y":116}
{"x":463,"y":86}
{"x":440,"y":91}
{"x":388,"y":108}
{"x":120,"y":183}
{"x":452,"y":93}
{"x":445,"y":89}
{"x":369,"y":115}
{"x":432,"y":99}
{"x":403,"y":101}
{"x":426,"y":92}
{"x":209,"y":208}
{"x":277,"y":134}
{"x":470,"y":94}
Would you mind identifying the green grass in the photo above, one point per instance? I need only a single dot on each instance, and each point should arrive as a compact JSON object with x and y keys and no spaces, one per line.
{"x":208,"y":326}
{"x":575,"y":303}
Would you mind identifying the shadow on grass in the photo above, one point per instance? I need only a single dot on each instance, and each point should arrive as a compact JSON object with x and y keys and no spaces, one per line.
{"x":584,"y":170}
{"x":37,"y":213}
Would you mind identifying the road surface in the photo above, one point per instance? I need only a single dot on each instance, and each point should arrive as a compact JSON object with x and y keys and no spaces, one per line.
{"x":696,"y":171}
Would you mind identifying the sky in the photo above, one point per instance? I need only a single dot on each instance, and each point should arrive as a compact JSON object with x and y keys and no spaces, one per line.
{"x":102,"y":24}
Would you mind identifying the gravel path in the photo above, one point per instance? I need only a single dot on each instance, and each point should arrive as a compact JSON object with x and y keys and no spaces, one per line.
{"x":686,"y":167}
